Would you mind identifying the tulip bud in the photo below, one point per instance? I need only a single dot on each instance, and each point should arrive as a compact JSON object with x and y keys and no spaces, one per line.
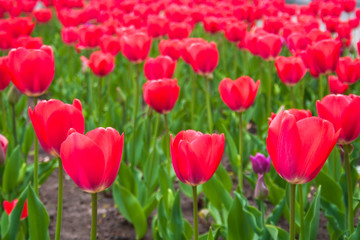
{"x":260,"y":163}
{"x":261,"y":190}
{"x":13,"y":95}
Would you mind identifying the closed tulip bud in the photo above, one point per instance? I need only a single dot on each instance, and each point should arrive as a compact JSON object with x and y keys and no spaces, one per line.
{"x":9,"y":206}
{"x":235,"y":31}
{"x":52,"y":120}
{"x":348,"y":70}
{"x":299,"y":144}
{"x":212,"y":24}
{"x":43,"y":15}
{"x":110,"y":44}
{"x":13,"y":95}
{"x":89,"y":35}
{"x":261,"y":190}
{"x":179,"y":30}
{"x":3,"y":147}
{"x":196,"y":156}
{"x":32,"y":70}
{"x":290,"y":69}
{"x":204,"y":57}
{"x":269,"y":46}
{"x":101,"y":63}
{"x":170,"y":48}
{"x":135,"y":46}
{"x":92,"y":160}
{"x":336,"y":86}
{"x":159,"y":67}
{"x":316,"y":35}
{"x":5,"y":77}
{"x":157,"y":26}
{"x":161,"y":94}
{"x":239,"y":94}
{"x":343,"y":112}
{"x":70,"y":35}
{"x":297,"y":41}
{"x":260,"y":163}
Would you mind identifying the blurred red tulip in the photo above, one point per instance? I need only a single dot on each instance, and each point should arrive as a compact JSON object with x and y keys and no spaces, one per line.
{"x":196,"y":156}
{"x":9,"y":206}
{"x":89,"y":35}
{"x":273,"y":24}
{"x":135,"y":46}
{"x":3,"y":148}
{"x":170,"y":48}
{"x":185,"y":46}
{"x":179,"y":30}
{"x":157,"y":26}
{"x":28,"y":42}
{"x":212,"y":24}
{"x":290,"y":69}
{"x":5,"y":76}
{"x":101,"y":63}
{"x":110,"y":44}
{"x":316,"y":35}
{"x":52,"y":120}
{"x":32,"y":70}
{"x":348,"y":70}
{"x":43,"y":15}
{"x":21,"y":26}
{"x":161,"y":94}
{"x":343,"y":112}
{"x":297,"y":41}
{"x":336,"y":86}
{"x":239,"y":94}
{"x":177,"y":13}
{"x":69,"y":35}
{"x":5,"y":40}
{"x":299,"y":144}
{"x":159,"y":67}
{"x":331,"y":23}
{"x":348,"y":5}
{"x":204,"y":57}
{"x":93,"y":160}
{"x":269,"y":46}
{"x":235,"y":31}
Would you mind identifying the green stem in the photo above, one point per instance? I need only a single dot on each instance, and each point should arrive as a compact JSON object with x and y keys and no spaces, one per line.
{"x":235,"y":61}
{"x":99,"y":99}
{"x":292,"y":211}
{"x":60,"y":201}
{"x":193,"y":99}
{"x":270,"y":80}
{"x":321,"y":86}
{"x":347,"y":149}
{"x":292,"y":97}
{"x":136,"y":103}
{"x":263,"y":211}
{"x":301,"y":203}
{"x":208,"y":106}
{"x":36,"y":158}
{"x":153,"y":146}
{"x":167,"y":136}
{"x":240,"y":166}
{"x":14,"y":123}
{"x":3,"y":114}
{"x":93,"y":215}
{"x":195,"y":211}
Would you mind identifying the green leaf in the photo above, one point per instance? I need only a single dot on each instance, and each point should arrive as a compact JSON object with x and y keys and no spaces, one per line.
{"x":28,"y":140}
{"x":356,"y":234}
{"x":312,"y":217}
{"x":224,"y":177}
{"x":12,"y":170}
{"x":277,"y":233}
{"x":127,"y":180}
{"x":4,"y":223}
{"x":38,"y":217}
{"x":210,"y":235}
{"x":176,"y":219}
{"x":217,"y":194}
{"x":130,"y":208}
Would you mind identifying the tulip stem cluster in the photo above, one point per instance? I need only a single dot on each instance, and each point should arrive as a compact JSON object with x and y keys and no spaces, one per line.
{"x":301,"y":205}
{"x":99,"y":98}
{"x":208,"y":106}
{"x":195,"y":211}
{"x":60,"y":201}
{"x":193,"y":99}
{"x":4,"y":127}
{"x":321,"y":86}
{"x":347,"y":149}
{"x":14,"y":123}
{"x":167,"y":135}
{"x":136,"y":103}
{"x":153,"y":147}
{"x":36,"y":159}
{"x":93,"y":215}
{"x":292,"y":211}
{"x":240,"y":166}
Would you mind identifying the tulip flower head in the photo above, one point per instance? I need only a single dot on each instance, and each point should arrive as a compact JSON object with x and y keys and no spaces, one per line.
{"x":348,"y":70}
{"x":204,"y":57}
{"x":336,"y":86}
{"x":196,"y":156}
{"x":290,"y":69}
{"x":101,"y":63}
{"x":9,"y":206}
{"x":260,"y":163}
{"x":136,"y":46}
{"x":5,"y":77}
{"x":269,"y":46}
{"x":159,"y":67}
{"x":299,"y":144}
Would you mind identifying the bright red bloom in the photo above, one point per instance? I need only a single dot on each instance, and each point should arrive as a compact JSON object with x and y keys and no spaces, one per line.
{"x":297,"y":41}
{"x":348,"y":5}
{"x":336,"y":86}
{"x":161,"y":94}
{"x":316,"y":35}
{"x":21,"y":26}
{"x":331,"y":23}
{"x":348,"y":70}
{"x":89,"y":35}
{"x":110,"y":44}
{"x":53,"y":119}
{"x":196,"y":156}
{"x":69,"y":35}
{"x":3,"y":148}
{"x":212,"y":24}
{"x":32,"y":70}
{"x":5,"y":76}
{"x":28,"y":42}
{"x":290,"y":69}
{"x":273,"y":24}
{"x":343,"y":112}
{"x":43,"y":15}
{"x":157,"y":26}
{"x":136,"y":46}
{"x":299,"y":144}
{"x":235,"y":31}
{"x":185,"y":46}
{"x":239,"y":94}
{"x":204,"y":57}
{"x":159,"y":67}
{"x":93,"y":160}
{"x":170,"y":48}
{"x":179,"y":30}
{"x":9,"y":206}
{"x":269,"y":46}
{"x":101,"y":63}
{"x":5,"y":40}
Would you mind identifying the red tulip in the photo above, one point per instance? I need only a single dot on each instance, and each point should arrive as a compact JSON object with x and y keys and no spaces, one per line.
{"x":212,"y":24}
{"x":179,"y":30}
{"x":196,"y":156}
{"x":136,"y":46}
{"x":32,"y":70}
{"x":28,"y":42}
{"x":299,"y":144}
{"x":5,"y":76}
{"x":161,"y":94}
{"x":290,"y":69}
{"x":89,"y":35}
{"x":343,"y":112}
{"x":348,"y":70}
{"x":5,"y":40}
{"x":43,"y":15}
{"x":21,"y":26}
{"x":204,"y":57}
{"x":269,"y":46}
{"x":3,"y":148}
{"x":316,"y":35}
{"x":110,"y":44}
{"x":93,"y":160}
{"x":157,"y":26}
{"x":336,"y":86}
{"x":235,"y":31}
{"x":9,"y":206}
{"x":52,"y":120}
{"x":348,"y":5}
{"x":69,"y":35}
{"x":273,"y":24}
{"x":101,"y":63}
{"x":185,"y":47}
{"x":170,"y":48}
{"x":159,"y":67}
{"x":240,"y":94}
{"x":297,"y":41}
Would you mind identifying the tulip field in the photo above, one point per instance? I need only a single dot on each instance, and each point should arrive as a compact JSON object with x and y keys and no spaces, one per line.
{"x":179,"y":119}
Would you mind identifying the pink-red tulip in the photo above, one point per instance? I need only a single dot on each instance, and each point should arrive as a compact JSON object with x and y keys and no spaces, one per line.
{"x":32,"y":70}
{"x":299,"y":144}
{"x":159,"y":67}
{"x":157,"y":26}
{"x":196,"y":156}
{"x":239,"y":94}
{"x":179,"y":30}
{"x":269,"y":46}
{"x":9,"y":206}
{"x":101,"y":63}
{"x":43,"y":15}
{"x":348,"y":70}
{"x":5,"y":77}
{"x":204,"y":57}
{"x":235,"y":31}
{"x":110,"y":44}
{"x":69,"y":35}
{"x":136,"y":46}
{"x":89,"y":35}
{"x":171,"y":48}
{"x":343,"y":112}
{"x":53,"y":119}
{"x":93,"y":160}
{"x":161,"y":94}
{"x":336,"y":86}
{"x":290,"y":69}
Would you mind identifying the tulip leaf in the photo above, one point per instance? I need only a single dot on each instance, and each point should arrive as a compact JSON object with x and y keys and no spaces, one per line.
{"x":334,"y":216}
{"x":28,"y":141}
{"x":12,"y":171}
{"x":276,"y":193}
{"x":231,"y":148}
{"x":356,"y":234}
{"x":130,"y":208}
{"x":163,"y":219}
{"x":224,"y":177}
{"x":277,"y":233}
{"x":175,"y":224}
{"x":38,"y":217}
{"x":312,"y":217}
{"x":188,"y":230}
{"x":127,"y":180}
{"x":217,"y":194}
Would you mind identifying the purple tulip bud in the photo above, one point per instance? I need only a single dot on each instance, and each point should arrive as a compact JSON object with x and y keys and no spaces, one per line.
{"x":261,"y":190}
{"x":260,"y":163}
